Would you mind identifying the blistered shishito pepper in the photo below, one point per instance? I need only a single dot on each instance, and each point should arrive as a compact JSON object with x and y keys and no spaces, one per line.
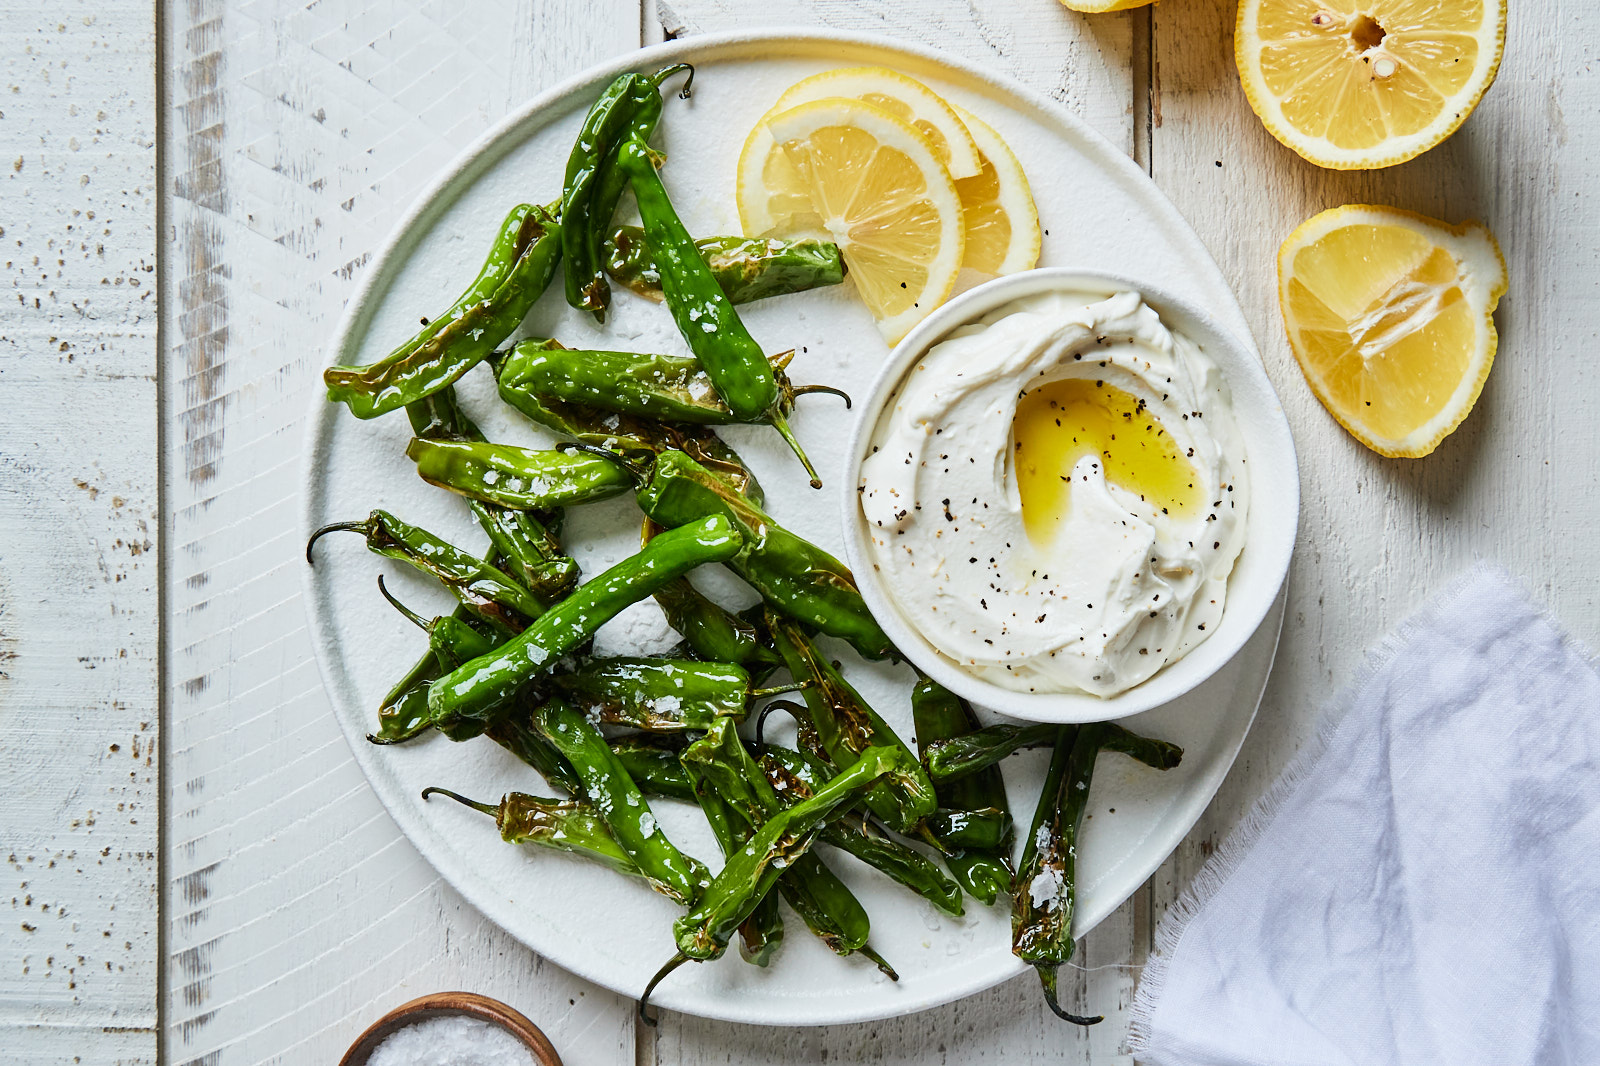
{"x":525,"y":478}
{"x":829,"y":909}
{"x":747,"y":268}
{"x":487,"y":591}
{"x":799,"y":776}
{"x":661,"y":695}
{"x":629,"y":107}
{"x":959,"y":757}
{"x":751,"y":872}
{"x":1042,"y":905}
{"x":846,"y":725}
{"x":516,"y":733}
{"x":667,"y":388}
{"x":478,"y":688}
{"x":567,"y":825}
{"x":791,"y":574}
{"x":712,"y":632}
{"x":527,"y":547}
{"x":705,"y":316}
{"x":761,"y":934}
{"x":634,"y":437}
{"x":973,"y":824}
{"x":651,"y":759}
{"x":608,"y":786}
{"x":451,"y":642}
{"x":518,"y":270}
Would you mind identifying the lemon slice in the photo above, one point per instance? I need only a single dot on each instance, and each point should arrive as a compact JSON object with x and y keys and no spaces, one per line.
{"x":1094,"y":7}
{"x":1354,"y":86}
{"x":870,"y":182}
{"x":1001,"y":222}
{"x":905,"y":98}
{"x":1391,"y":316}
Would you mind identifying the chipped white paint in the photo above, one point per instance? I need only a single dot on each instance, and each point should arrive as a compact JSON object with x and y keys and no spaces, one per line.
{"x":78,"y":575}
{"x":294,"y":133}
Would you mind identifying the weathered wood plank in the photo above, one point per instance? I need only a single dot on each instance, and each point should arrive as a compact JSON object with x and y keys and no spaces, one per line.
{"x":1516,"y":481}
{"x":295,"y":135}
{"x":79,"y":589}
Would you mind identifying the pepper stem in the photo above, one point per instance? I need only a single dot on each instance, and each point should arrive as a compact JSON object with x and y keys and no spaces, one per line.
{"x":807,"y":390}
{"x":781,"y":424}
{"x":761,"y":719}
{"x":1047,"y":978}
{"x":487,"y":808}
{"x":635,"y":470}
{"x":677,"y":68}
{"x":351,"y":527}
{"x":879,"y":961}
{"x":644,"y":1000}
{"x":411,"y":616}
{"x":778,"y":690}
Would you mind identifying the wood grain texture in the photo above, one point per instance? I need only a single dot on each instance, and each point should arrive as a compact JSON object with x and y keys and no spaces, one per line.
{"x":78,"y":522}
{"x":1516,"y":482}
{"x":294,"y":136}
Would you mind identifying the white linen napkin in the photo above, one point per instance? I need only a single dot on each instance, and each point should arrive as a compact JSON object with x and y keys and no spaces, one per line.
{"x":1423,"y":884}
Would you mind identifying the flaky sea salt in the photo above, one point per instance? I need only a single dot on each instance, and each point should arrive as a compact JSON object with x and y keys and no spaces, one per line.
{"x":454,"y":1040}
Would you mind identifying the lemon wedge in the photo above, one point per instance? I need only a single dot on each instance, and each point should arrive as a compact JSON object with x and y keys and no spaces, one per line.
{"x":1355,"y":86}
{"x":1391,"y":317}
{"x":868,"y":180}
{"x":1002,"y":223}
{"x":905,"y":98}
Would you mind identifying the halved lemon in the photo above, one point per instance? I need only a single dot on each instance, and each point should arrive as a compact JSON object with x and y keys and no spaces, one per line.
{"x":1002,"y":223}
{"x":903,"y":97}
{"x":1360,"y":84}
{"x":1391,"y":316}
{"x":1094,"y":7}
{"x":868,"y":181}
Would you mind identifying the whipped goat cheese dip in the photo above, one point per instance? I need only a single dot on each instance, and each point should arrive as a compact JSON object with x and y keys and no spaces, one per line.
{"x":1057,"y":494}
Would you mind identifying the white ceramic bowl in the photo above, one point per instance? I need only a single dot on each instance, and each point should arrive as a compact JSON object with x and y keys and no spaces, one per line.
{"x":1270,"y":528}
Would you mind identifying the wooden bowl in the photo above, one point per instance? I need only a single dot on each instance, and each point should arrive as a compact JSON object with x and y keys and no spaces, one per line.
{"x":443,"y":1004}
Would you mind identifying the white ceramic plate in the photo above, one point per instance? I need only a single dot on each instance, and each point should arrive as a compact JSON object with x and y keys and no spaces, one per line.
{"x":1097,"y":208}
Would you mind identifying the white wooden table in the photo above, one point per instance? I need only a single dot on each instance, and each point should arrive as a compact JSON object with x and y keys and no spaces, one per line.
{"x":168,"y":330}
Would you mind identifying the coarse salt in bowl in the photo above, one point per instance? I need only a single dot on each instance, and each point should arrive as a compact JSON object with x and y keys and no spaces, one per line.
{"x":1270,"y":527}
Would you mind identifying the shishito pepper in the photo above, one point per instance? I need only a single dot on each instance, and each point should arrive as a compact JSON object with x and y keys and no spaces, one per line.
{"x":746,"y":268}
{"x":525,"y":544}
{"x":628,"y":108}
{"x":712,"y":632}
{"x":608,"y":786}
{"x":959,"y":757}
{"x":846,"y":725}
{"x":661,"y":695}
{"x":510,"y":476}
{"x":667,"y":388}
{"x":799,"y":776}
{"x":451,"y":642}
{"x":487,"y":591}
{"x":567,"y":825}
{"x":517,"y":735}
{"x":973,"y":824}
{"x":477,"y":688}
{"x":751,"y":872}
{"x":651,"y":759}
{"x":718,"y":762}
{"x":639,"y":438}
{"x":1042,"y":905}
{"x":704,"y":315}
{"x":791,"y":574}
{"x":518,"y":270}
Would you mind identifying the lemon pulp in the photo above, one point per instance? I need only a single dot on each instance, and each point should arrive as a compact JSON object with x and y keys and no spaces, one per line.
{"x":1062,"y":421}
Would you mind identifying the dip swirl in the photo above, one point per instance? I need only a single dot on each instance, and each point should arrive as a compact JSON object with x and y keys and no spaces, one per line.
{"x":1058,"y":494}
